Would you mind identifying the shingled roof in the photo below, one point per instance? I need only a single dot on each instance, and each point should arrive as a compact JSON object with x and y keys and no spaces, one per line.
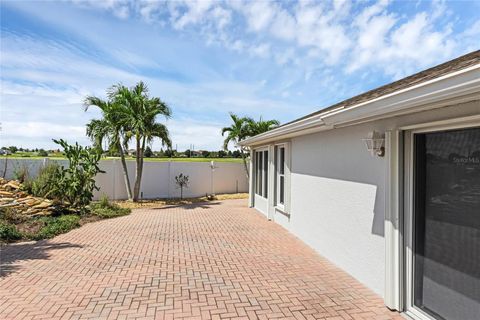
{"x":457,"y":64}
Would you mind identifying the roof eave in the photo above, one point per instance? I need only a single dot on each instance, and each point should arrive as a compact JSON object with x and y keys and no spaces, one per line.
{"x":447,"y":89}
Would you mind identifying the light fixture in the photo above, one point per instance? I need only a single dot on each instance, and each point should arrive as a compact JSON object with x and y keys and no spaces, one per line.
{"x":374,"y":143}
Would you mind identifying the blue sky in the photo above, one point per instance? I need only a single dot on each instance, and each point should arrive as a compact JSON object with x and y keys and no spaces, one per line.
{"x":278,"y":60}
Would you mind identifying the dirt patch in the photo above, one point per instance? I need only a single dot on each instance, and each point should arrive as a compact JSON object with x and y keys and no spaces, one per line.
{"x":88,"y":219}
{"x":30,"y":226}
{"x":151,"y":203}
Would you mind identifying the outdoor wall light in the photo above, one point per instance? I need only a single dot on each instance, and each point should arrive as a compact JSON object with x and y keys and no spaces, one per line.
{"x":374,"y":143}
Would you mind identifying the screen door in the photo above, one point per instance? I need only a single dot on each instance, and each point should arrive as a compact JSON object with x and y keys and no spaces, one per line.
{"x":446,"y":229}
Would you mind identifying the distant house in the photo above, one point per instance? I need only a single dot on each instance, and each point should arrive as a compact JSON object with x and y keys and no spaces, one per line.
{"x":197,"y":153}
{"x":386,"y":185}
{"x":5,"y":152}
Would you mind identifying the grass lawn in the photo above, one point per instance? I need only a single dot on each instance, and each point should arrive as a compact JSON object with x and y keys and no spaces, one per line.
{"x":234,"y":160}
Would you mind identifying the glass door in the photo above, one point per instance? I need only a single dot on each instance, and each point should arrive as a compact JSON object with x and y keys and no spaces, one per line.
{"x":445,"y":225}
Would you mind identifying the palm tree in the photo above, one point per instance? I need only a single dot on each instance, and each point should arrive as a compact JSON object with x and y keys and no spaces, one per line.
{"x":261,"y":126}
{"x":243,"y":128}
{"x":109,"y":129}
{"x":139,"y":114}
{"x":238,"y":130}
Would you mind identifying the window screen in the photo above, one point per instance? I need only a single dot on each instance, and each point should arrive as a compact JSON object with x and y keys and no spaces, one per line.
{"x":447,"y":224}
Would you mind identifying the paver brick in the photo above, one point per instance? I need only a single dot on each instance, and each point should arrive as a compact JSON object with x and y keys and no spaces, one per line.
{"x":219,"y":260}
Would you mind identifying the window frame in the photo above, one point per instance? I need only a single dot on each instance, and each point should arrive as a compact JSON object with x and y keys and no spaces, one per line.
{"x":407,"y":271}
{"x":278,"y":176}
{"x":261,"y":163}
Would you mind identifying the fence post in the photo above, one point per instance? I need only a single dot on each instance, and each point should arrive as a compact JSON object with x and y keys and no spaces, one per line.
{"x":169,"y":176}
{"x":114,"y":174}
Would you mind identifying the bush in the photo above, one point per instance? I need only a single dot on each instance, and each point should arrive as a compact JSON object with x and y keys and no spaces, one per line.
{"x":45,"y":184}
{"x":56,"y":225}
{"x":21,"y":174}
{"x":148,"y":152}
{"x":75,"y":185}
{"x":8,"y":232}
{"x":106,"y":209}
{"x":10,"y":215}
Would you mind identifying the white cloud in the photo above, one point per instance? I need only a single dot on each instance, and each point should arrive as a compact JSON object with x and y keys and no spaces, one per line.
{"x":185,"y":132}
{"x":262,"y":50}
{"x":46,"y":94}
{"x":42,"y":130}
{"x":194,"y":12}
{"x":223,"y":17}
{"x":398,"y":46}
{"x":259,"y":14}
{"x":119,"y":8}
{"x":354,"y":36}
{"x":284,"y":26}
{"x":323,"y":51}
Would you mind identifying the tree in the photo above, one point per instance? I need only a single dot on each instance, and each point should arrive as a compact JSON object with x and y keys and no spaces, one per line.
{"x":237,"y":132}
{"x":243,"y":128}
{"x":205,"y":154}
{"x":111,"y":129}
{"x":139,"y":115}
{"x":188,"y":153}
{"x":42,"y":153}
{"x":182,"y":182}
{"x":169,"y":153}
{"x":13,"y":149}
{"x":75,"y":183}
{"x":148,"y":152}
{"x":221,"y":154}
{"x":261,"y":126}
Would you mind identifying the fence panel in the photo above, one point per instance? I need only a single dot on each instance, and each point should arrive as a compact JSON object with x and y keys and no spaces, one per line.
{"x":158,"y":179}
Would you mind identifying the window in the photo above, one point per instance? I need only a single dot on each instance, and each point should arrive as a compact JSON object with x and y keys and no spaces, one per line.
{"x":261,"y":173}
{"x":446,"y":223}
{"x":280,"y":175}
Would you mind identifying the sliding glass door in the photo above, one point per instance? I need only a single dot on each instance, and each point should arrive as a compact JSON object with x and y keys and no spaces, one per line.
{"x":445,"y":225}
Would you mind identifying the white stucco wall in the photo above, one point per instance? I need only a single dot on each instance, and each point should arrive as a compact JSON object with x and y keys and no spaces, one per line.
{"x":338,"y":194}
{"x":337,"y":201}
{"x":261,"y":204}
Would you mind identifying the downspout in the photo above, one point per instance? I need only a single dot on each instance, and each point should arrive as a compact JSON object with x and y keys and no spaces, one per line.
{"x":251,"y":202}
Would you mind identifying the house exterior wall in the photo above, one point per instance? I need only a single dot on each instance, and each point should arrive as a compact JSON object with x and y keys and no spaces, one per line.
{"x":338,"y":193}
{"x":261,"y":204}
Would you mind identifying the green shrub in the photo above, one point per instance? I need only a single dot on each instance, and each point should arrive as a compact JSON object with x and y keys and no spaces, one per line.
{"x":104,"y":202}
{"x":46,"y":183}
{"x":8,"y":232}
{"x":106,"y":209}
{"x":56,"y":225}
{"x":21,"y":174}
{"x":76,"y":183}
{"x":11,"y":215}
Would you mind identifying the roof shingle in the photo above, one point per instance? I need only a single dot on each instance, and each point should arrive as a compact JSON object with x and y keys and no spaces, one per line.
{"x":457,"y":64}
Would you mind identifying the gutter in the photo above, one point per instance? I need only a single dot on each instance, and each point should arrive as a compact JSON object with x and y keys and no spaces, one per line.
{"x":452,"y":88}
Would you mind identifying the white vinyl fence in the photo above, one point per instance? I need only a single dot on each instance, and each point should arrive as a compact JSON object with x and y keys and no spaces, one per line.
{"x":158,"y":180}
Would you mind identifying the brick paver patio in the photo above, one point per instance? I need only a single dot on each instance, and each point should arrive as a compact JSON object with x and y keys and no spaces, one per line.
{"x":210,"y":261}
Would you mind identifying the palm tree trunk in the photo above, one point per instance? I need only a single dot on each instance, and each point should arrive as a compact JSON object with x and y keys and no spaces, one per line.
{"x":125,"y":172}
{"x":245,"y":163}
{"x":139,"y":168}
